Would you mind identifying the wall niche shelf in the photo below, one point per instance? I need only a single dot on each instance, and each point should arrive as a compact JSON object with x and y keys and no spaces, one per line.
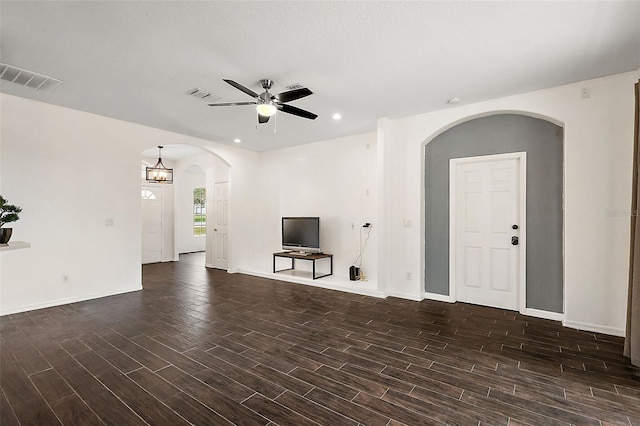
{"x":14,"y":245}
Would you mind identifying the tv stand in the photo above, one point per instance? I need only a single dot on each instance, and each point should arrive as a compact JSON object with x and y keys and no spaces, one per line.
{"x":293,"y":255}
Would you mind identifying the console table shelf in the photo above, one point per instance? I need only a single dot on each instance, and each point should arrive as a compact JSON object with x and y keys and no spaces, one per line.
{"x":297,"y":256}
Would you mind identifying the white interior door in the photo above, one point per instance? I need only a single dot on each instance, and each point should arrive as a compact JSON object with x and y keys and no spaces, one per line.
{"x":221,"y":225}
{"x":151,"y":224}
{"x":487,"y":263}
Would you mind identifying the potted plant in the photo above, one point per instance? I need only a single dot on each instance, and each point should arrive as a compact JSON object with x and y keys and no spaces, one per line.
{"x":8,"y":213}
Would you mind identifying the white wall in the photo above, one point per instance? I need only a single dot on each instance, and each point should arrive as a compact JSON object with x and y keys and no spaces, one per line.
{"x":67,"y":173}
{"x":55,"y":164}
{"x":598,"y":161}
{"x":335,"y":180}
{"x":185,"y":184}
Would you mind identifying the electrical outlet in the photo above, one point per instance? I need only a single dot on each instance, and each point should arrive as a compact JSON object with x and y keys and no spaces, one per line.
{"x":66,"y":279}
{"x":108,"y":222}
{"x":585,"y":92}
{"x":408,"y":276}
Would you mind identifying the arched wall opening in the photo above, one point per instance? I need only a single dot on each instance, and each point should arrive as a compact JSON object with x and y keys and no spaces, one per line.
{"x":194,"y":166}
{"x":498,"y":133}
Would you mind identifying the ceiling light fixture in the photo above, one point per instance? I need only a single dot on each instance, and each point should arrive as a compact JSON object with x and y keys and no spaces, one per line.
{"x":266,"y":108}
{"x":336,"y":116}
{"x":159,"y":173}
{"x":237,"y":140}
{"x":453,"y":101}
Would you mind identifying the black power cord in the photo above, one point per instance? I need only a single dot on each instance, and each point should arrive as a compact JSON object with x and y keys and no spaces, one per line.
{"x":362,"y":246}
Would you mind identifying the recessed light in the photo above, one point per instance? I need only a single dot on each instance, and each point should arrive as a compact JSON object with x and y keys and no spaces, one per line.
{"x":336,"y":116}
{"x":237,"y":140}
{"x":453,"y":101}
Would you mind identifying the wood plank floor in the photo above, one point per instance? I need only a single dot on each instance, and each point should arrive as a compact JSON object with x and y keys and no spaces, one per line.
{"x":205,"y":347}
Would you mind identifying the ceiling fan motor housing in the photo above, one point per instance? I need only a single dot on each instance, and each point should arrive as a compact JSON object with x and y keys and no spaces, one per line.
{"x":265,"y":97}
{"x":266,"y":83}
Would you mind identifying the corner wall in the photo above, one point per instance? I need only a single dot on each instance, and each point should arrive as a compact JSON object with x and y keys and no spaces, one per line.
{"x":335,"y":180}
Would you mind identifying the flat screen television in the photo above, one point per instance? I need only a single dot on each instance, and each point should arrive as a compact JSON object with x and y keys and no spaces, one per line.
{"x":301,"y":234}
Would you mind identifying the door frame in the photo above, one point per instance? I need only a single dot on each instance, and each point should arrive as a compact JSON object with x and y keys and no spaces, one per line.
{"x":521,"y":158}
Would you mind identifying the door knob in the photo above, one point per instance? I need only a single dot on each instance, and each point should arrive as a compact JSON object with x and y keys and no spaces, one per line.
{"x":514,"y":241}
{"x":514,"y":226}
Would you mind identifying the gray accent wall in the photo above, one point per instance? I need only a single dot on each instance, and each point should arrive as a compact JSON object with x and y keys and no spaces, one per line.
{"x":498,"y":134}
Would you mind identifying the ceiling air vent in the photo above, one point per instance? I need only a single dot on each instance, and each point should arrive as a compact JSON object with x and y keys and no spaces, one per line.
{"x":27,"y":78}
{"x":203,"y":94}
{"x":295,"y":86}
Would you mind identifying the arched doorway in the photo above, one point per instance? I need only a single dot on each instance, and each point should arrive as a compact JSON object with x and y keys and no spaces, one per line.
{"x":542,"y":141}
{"x":197,"y":174}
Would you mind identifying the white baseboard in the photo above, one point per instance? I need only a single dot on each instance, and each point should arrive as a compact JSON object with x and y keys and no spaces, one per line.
{"x":528,"y":311}
{"x":58,"y":302}
{"x":315,"y":283}
{"x":408,"y":296}
{"x":554,"y":316}
{"x":439,"y":297}
{"x":604,"y":329}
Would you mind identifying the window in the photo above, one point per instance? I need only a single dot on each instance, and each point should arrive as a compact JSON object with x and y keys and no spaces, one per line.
{"x":199,"y":212}
{"x":148,"y":195}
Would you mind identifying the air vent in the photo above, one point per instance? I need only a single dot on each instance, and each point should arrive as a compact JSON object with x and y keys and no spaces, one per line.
{"x":27,"y":78}
{"x":295,"y":86}
{"x":203,"y":94}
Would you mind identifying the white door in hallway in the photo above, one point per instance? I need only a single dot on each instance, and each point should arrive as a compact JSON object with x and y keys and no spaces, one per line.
{"x":151,"y":224}
{"x":487,"y":220}
{"x":221,"y":225}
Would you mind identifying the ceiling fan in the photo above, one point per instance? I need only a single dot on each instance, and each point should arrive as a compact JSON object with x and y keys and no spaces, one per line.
{"x":267,"y":103}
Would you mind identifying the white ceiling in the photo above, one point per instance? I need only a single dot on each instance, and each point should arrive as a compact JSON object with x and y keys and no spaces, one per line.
{"x":174,"y":152}
{"x":136,"y":61}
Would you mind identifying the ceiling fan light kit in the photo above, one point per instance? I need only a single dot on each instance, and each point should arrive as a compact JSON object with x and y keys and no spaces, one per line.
{"x":266,"y":108}
{"x":268,"y":104}
{"x":159,"y":173}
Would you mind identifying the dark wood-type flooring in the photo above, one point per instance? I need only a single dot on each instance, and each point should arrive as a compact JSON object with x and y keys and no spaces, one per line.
{"x":206,"y":347}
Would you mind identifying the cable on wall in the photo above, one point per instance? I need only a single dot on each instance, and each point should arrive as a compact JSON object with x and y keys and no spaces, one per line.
{"x":355,"y":272}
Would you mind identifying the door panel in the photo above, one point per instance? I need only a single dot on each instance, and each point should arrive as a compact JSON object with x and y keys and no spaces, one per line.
{"x":473,"y":267}
{"x":221,"y":228}
{"x":151,"y":224}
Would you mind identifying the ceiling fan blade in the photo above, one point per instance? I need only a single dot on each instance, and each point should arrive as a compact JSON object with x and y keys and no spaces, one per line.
{"x":263,"y":118}
{"x":242,"y":88}
{"x":297,"y":111}
{"x":233,"y":103}
{"x":292,"y":95}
